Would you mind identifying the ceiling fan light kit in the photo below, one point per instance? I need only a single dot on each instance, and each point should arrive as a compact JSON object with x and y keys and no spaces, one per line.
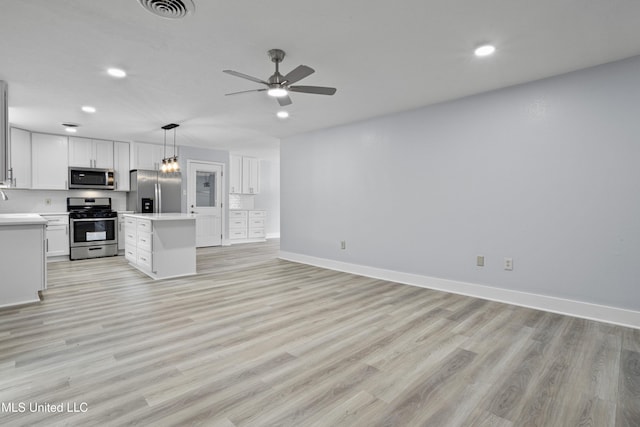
{"x":277,"y":92}
{"x":279,"y":86}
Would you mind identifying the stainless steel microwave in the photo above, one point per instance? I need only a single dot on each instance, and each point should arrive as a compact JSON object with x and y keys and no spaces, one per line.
{"x":95,"y":179}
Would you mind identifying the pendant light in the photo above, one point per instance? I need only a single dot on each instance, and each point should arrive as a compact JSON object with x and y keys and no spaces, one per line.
{"x":170,"y":164}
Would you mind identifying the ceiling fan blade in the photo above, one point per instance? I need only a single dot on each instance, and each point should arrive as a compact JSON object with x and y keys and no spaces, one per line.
{"x":298,"y":73}
{"x":245,"y":76}
{"x":245,"y":91}
{"x":284,"y":100}
{"x":319,"y":90}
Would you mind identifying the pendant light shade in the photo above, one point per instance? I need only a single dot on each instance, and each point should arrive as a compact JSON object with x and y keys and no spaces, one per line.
{"x":170,"y":164}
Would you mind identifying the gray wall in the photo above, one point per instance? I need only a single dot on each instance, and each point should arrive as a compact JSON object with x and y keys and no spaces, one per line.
{"x":269,"y":196}
{"x":547,"y":173}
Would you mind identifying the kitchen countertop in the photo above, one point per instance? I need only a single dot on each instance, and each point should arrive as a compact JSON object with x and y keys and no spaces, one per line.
{"x":21,"y":219}
{"x":161,"y":216}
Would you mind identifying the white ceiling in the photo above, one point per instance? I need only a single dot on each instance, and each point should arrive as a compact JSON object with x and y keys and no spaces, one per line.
{"x":383,"y":57}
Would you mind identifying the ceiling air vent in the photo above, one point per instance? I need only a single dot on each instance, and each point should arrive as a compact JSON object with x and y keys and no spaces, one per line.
{"x":170,"y":9}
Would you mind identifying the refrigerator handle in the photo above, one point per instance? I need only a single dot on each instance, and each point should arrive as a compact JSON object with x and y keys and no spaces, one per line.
{"x":159,"y":198}
{"x":156,"y":191}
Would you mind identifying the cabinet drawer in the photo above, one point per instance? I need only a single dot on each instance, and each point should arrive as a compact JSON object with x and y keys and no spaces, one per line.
{"x":256,"y":223}
{"x":144,"y":259}
{"x":129,"y":222}
{"x":238,"y":223}
{"x":238,"y":234}
{"x":257,"y":214}
{"x":256,"y":232}
{"x":144,"y":241}
{"x":237,"y":214}
{"x":130,"y":254}
{"x":144,"y":225}
{"x":130,"y":237}
{"x":56,"y":219}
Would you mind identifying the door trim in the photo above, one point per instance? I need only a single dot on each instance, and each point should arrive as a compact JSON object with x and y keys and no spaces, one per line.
{"x":223,"y":195}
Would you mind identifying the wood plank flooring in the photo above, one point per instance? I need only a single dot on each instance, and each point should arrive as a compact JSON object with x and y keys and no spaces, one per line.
{"x":256,"y":341}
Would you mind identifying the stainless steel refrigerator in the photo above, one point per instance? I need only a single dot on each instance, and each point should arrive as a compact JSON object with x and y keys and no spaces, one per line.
{"x":155,"y":192}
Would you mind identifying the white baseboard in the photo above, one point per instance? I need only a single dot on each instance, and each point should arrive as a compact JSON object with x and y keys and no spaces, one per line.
{"x":273,"y":235}
{"x":585,"y":310}
{"x":16,"y":304}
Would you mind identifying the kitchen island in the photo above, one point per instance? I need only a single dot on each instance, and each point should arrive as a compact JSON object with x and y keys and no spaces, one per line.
{"x":161,"y":245}
{"x":23,"y":263}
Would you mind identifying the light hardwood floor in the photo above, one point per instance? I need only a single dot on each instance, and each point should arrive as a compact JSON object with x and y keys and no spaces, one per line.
{"x":256,"y":341}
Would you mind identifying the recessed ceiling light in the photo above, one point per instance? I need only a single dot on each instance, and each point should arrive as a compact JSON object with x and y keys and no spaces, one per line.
{"x":485,"y":50}
{"x":282,"y":114}
{"x":117,"y":72}
{"x":88,"y":109}
{"x":71,"y":130}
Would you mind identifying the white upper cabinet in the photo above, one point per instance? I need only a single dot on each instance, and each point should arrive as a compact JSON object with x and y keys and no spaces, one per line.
{"x":250,"y":175}
{"x":121,"y":165}
{"x":147,"y":156}
{"x":49,"y":161}
{"x":90,"y":153}
{"x":20,"y":158}
{"x":103,"y":154}
{"x":244,"y":175}
{"x":235,"y":174}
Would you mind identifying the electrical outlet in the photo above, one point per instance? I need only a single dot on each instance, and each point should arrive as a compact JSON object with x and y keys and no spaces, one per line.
{"x":343,"y":244}
{"x":47,"y":202}
{"x":480,"y":260}
{"x":508,"y":264}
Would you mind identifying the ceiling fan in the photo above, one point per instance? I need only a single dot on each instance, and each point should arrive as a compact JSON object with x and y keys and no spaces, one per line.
{"x":278,"y":85}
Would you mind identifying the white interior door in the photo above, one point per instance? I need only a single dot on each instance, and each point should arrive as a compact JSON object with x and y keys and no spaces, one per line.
{"x":204,"y":198}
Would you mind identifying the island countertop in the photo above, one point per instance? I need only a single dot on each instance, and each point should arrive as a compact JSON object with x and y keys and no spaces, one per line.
{"x":161,"y":216}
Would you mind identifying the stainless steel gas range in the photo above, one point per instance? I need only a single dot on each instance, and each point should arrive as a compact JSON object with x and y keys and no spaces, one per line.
{"x":94,"y":228}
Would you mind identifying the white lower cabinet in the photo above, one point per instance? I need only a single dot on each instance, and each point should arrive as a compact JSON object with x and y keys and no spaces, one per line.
{"x":247,"y":226}
{"x":256,"y":225}
{"x":121,"y":233}
{"x":57,"y":235}
{"x":238,"y":225}
{"x":161,"y":247}
{"x":130,"y":240}
{"x":23,"y":267}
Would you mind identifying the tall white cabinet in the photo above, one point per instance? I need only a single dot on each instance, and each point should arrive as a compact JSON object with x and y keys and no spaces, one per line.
{"x":121,"y":165}
{"x":20,"y":158}
{"x":49,"y":161}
